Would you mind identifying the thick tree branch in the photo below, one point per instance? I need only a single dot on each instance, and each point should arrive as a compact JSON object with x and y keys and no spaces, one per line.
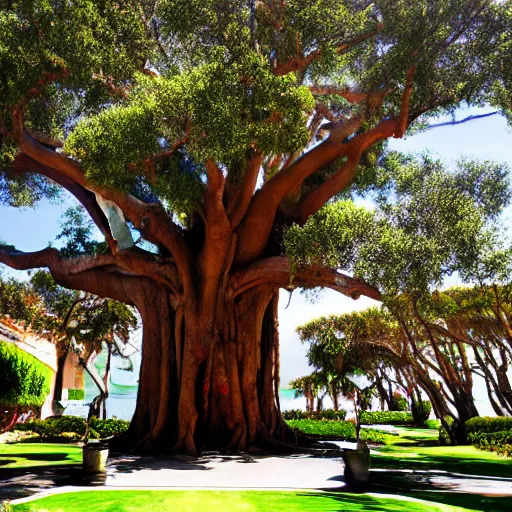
{"x":101,"y":282}
{"x":277,"y":271}
{"x":243,"y":195}
{"x":256,"y":227}
{"x":135,"y":262}
{"x":354,"y":149}
{"x":301,"y":62}
{"x":218,"y":232}
{"x":151,"y":219}
{"x":25,"y":164}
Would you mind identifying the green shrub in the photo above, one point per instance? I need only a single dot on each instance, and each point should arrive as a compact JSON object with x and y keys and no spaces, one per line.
{"x":326,"y":414}
{"x":294,"y":414}
{"x":24,"y":380}
{"x":331,"y":414}
{"x":399,"y":403}
{"x":73,"y":427}
{"x":386,"y":418}
{"x":486,"y":438}
{"x":421,"y":411}
{"x":488,"y":424}
{"x":76,"y":394}
{"x":110,"y":427}
{"x":498,"y":442}
{"x":55,"y":426}
{"x":492,"y":434}
{"x":444,"y":436}
{"x":342,"y":430}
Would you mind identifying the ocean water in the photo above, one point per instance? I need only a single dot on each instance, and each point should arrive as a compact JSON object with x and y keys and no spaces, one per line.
{"x":124,"y":384}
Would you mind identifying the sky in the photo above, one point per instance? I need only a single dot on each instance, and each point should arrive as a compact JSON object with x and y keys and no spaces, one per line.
{"x":488,"y":138}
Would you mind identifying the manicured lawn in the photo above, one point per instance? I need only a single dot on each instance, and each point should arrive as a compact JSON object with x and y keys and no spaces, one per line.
{"x":221,"y":501}
{"x":27,"y":455}
{"x":415,"y":449}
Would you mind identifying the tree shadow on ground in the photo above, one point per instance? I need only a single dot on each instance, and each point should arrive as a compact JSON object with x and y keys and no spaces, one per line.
{"x":425,"y":443}
{"x":48,"y":457}
{"x":132,"y":464}
{"x":421,"y":486}
{"x":346,"y":502}
{"x":450,"y":464}
{"x":22,"y":482}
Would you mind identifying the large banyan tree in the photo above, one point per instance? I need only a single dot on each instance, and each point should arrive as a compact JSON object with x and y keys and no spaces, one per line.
{"x":196,"y":133}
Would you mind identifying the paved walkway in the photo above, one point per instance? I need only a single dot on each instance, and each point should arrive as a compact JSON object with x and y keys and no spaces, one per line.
{"x":220,"y":472}
{"x":179,"y":473}
{"x":452,"y":482}
{"x":227,"y":472}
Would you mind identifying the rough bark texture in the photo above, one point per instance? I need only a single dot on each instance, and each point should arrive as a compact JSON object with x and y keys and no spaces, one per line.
{"x":220,"y":394}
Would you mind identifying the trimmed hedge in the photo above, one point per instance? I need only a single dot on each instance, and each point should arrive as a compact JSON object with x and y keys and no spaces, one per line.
{"x":499,"y":442}
{"x":341,"y":430}
{"x":76,"y":394}
{"x":24,"y":380}
{"x":73,"y":427}
{"x":492,"y":434}
{"x":386,"y":418}
{"x":326,"y":414}
{"x":488,"y":424}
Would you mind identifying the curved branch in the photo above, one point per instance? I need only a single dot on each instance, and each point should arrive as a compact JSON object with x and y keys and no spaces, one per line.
{"x":151,"y":219}
{"x":135,"y":262}
{"x":243,"y":195}
{"x":256,"y":228}
{"x":25,"y":164}
{"x":461,"y":121}
{"x":342,"y":179}
{"x":103,"y":283}
{"x":277,"y":271}
{"x":301,"y":62}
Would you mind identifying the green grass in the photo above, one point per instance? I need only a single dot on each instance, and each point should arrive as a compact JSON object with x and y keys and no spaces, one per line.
{"x":216,"y":501}
{"x":28,"y":455}
{"x":417,"y":449}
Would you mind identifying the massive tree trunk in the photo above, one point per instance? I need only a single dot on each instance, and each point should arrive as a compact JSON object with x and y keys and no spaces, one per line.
{"x":204,"y":387}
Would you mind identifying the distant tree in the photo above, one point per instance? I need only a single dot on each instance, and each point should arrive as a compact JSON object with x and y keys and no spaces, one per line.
{"x":430,"y":345}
